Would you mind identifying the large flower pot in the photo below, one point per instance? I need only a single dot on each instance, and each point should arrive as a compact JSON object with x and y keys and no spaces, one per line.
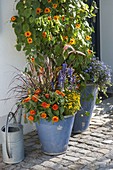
{"x":83,"y":116}
{"x":54,"y":137}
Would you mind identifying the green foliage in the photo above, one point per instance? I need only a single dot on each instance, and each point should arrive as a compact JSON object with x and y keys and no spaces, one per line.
{"x":50,"y":25}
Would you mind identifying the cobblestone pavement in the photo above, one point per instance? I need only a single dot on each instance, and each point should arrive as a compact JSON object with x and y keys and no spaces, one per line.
{"x":91,"y":150}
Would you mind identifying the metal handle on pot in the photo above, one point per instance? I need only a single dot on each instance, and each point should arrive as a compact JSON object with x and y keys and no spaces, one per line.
{"x":7,"y":126}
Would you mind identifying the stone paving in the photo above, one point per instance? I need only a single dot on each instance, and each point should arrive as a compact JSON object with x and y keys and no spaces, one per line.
{"x":91,"y":150}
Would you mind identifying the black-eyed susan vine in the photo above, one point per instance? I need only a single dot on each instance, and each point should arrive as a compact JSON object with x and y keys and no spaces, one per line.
{"x":43,"y":27}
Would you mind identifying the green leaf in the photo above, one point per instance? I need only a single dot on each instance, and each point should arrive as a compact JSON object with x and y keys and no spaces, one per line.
{"x":27,"y":13}
{"x":18,"y":47}
{"x":87,"y":113}
{"x":25,"y":27}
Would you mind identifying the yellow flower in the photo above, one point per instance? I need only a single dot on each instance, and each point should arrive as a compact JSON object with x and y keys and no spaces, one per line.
{"x":88,"y":37}
{"x":56,"y":17}
{"x":72,"y":41}
{"x":55,"y":5}
{"x":77,"y":25}
{"x":89,"y":51}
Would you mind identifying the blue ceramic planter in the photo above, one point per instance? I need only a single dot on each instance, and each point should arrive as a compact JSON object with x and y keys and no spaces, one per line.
{"x":54,"y":138}
{"x":82,"y":121}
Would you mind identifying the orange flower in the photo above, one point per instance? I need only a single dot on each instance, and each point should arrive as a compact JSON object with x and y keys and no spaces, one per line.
{"x":55,"y":5}
{"x":58,"y":91}
{"x":32,"y":112}
{"x":88,"y":37}
{"x":27,"y":34}
{"x":26,"y":100}
{"x":63,"y":18}
{"x":29,"y":40}
{"x":77,"y":25}
{"x":44,"y":34}
{"x":37,"y":91}
{"x":55,"y":119}
{"x":56,"y":17}
{"x":43,"y":115}
{"x":35,"y":98}
{"x":13,"y":18}
{"x":31,"y":118}
{"x":45,"y":105}
{"x":47,"y":10}
{"x":62,"y":94}
{"x":72,"y":41}
{"x":49,"y":1}
{"x":32,"y":59}
{"x":55,"y":107}
{"x":89,"y":51}
{"x":47,"y":96}
{"x":49,"y":18}
{"x":38,"y":10}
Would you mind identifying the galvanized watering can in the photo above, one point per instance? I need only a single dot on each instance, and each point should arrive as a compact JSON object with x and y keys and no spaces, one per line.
{"x":12,"y":140}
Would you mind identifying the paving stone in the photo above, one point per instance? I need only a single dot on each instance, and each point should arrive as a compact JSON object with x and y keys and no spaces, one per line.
{"x":76,"y":167}
{"x":39,"y":167}
{"x":71,"y":158}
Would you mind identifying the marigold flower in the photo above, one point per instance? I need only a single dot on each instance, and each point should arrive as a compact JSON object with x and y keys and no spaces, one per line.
{"x":37,"y":91}
{"x":72,"y":41}
{"x":45,"y":105}
{"x":13,"y":18}
{"x":49,"y":1}
{"x":31,"y":118}
{"x":47,"y":10}
{"x":49,"y":18}
{"x":27,"y":34}
{"x":55,"y":5}
{"x":47,"y":96}
{"x":35,"y":98}
{"x":56,"y":17}
{"x":32,"y":112}
{"x":89,"y":51}
{"x":26,"y":100}
{"x":43,"y":115}
{"x":88,"y":37}
{"x":38,"y":10}
{"x":55,"y":107}
{"x":55,"y":119}
{"x":29,"y":40}
{"x":63,"y":18}
{"x":32,"y":59}
{"x":77,"y":25}
{"x":44,"y":34}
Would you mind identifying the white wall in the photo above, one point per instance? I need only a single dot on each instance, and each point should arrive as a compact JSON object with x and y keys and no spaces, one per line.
{"x":106,"y":31}
{"x":8,"y":57}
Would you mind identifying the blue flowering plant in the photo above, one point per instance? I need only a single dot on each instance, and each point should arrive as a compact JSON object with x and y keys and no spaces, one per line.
{"x":99,"y":73}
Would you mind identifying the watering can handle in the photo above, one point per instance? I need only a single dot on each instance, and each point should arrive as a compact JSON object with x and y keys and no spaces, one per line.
{"x":7,"y":123}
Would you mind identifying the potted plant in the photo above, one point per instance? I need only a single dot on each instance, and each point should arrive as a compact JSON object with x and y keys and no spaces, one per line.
{"x":49,"y":97}
{"x":97,"y":77}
